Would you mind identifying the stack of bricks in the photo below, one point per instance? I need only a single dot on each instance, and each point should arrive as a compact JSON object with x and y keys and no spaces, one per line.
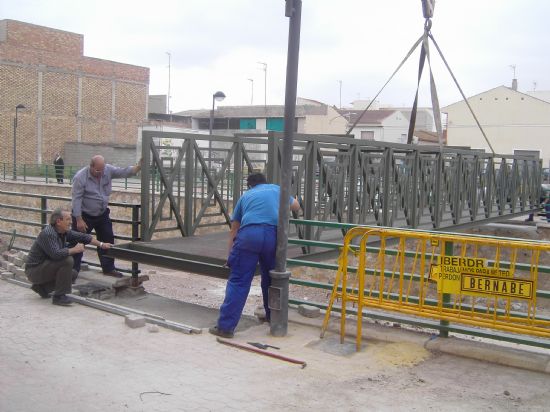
{"x":13,"y":265}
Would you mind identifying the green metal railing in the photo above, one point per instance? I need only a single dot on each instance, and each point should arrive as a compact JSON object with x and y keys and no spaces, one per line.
{"x":43,"y":208}
{"x":443,"y":327}
{"x":44,"y":173}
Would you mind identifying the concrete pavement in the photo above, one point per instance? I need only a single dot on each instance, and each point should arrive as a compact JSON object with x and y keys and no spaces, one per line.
{"x":81,"y":359}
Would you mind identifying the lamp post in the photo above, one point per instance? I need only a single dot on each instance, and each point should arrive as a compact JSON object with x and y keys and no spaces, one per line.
{"x":216,"y":97}
{"x":264,"y":68}
{"x":251,"y":91}
{"x":168,"y":97}
{"x":19,"y":106}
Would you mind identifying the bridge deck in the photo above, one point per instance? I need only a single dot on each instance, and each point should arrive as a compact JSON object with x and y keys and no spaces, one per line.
{"x":204,"y":254}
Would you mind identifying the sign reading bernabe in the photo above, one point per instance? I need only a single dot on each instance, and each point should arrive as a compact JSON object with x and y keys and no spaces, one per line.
{"x":472,"y":276}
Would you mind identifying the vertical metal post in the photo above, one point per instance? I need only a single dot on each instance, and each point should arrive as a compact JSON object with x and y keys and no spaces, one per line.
{"x":278,"y":291}
{"x":387,"y":185}
{"x":352,"y":201}
{"x":237,"y":171}
{"x":272,"y":158}
{"x":189,"y":183}
{"x":446,"y":296}
{"x":437,"y":190}
{"x":146,"y":142}
{"x":43,"y":211}
{"x":414,"y":190}
{"x":135,"y":236}
{"x":489,"y":174}
{"x":309,"y":187}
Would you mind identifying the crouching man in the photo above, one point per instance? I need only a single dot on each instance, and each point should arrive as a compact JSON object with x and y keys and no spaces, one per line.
{"x":49,"y":265}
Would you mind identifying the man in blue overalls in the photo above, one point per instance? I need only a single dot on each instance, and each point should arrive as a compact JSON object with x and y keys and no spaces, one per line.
{"x":252,"y":240}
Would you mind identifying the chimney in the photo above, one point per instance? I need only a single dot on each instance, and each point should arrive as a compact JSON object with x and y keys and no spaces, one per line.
{"x":515,"y":84}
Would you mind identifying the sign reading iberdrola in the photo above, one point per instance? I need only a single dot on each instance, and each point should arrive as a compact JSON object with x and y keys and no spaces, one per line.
{"x":472,"y":276}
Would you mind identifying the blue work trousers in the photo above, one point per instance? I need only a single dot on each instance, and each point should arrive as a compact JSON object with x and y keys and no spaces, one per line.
{"x":254,"y":244}
{"x":104,"y":232}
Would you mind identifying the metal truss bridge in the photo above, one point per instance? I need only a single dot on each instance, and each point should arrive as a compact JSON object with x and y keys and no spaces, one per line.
{"x":195,"y":181}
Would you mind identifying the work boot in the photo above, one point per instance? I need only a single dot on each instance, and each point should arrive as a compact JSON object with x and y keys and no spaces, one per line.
{"x":214,"y":330}
{"x":61,"y":300}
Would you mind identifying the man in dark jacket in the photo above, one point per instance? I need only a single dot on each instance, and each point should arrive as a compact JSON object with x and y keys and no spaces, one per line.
{"x":59,"y":166}
{"x":49,"y":266}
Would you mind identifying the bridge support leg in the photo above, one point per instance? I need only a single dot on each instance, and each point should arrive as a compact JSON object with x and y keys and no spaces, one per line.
{"x":278,"y":302}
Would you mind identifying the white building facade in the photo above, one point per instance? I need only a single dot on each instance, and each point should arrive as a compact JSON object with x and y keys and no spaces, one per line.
{"x":511,"y":120}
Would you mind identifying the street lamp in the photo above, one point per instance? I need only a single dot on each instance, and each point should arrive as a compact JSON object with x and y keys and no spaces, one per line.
{"x":216,"y":97}
{"x":19,"y":106}
{"x":265,"y":82}
{"x":251,"y":91}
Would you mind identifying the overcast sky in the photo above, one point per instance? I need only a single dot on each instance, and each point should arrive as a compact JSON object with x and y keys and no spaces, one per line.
{"x":217,"y":44}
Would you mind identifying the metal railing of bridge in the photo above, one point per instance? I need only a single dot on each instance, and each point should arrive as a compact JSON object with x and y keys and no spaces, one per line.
{"x":44,"y":173}
{"x":27,"y":213}
{"x":335,"y":178}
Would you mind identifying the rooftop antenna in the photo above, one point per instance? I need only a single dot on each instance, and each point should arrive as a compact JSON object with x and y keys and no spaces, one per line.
{"x":513,"y":67}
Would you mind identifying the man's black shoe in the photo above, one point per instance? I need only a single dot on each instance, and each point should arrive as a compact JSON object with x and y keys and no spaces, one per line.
{"x":113,"y":273}
{"x":61,"y":300}
{"x":221,"y":333}
{"x":40,"y":290}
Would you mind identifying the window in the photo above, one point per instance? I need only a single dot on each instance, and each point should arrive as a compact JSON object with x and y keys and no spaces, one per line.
{"x":247,"y":124}
{"x":276,"y":124}
{"x":367,"y":135}
{"x":204,"y":124}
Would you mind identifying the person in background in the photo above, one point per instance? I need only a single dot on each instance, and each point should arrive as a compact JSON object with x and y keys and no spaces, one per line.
{"x":49,"y":266}
{"x":59,"y":166}
{"x":252,"y":240}
{"x":92,"y":187}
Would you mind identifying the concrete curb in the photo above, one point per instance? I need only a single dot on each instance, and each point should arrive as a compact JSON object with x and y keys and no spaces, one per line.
{"x":483,"y":351}
{"x":487,"y":352}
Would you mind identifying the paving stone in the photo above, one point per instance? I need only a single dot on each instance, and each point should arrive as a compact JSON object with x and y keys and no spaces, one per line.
{"x":6,"y":275}
{"x":18,"y":261}
{"x":134,"y":321}
{"x":309,"y":311}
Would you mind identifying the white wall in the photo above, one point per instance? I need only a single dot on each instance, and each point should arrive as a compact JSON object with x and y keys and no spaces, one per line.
{"x":511,"y":121}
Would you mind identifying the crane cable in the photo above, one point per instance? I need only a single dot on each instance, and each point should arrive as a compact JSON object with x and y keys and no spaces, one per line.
{"x":425,"y":53}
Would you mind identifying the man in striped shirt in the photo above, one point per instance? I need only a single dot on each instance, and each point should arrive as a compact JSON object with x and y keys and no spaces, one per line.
{"x":92,"y":186}
{"x":49,"y":266}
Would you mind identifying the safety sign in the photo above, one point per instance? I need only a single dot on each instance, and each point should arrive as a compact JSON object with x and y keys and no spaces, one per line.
{"x":472,"y":276}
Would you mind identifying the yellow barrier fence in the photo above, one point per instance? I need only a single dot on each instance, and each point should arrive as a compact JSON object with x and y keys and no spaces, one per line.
{"x":478,"y":281}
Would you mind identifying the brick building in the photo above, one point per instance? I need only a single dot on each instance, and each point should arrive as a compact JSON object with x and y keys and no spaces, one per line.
{"x":68,"y":97}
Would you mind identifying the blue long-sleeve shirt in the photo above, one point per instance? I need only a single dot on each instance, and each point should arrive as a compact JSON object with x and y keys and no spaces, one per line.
{"x":91,"y":195}
{"x":51,"y":245}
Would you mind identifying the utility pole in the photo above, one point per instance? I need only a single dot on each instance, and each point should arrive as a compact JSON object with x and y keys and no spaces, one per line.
{"x":265,"y":82}
{"x":168,"y":97}
{"x":278,"y":291}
